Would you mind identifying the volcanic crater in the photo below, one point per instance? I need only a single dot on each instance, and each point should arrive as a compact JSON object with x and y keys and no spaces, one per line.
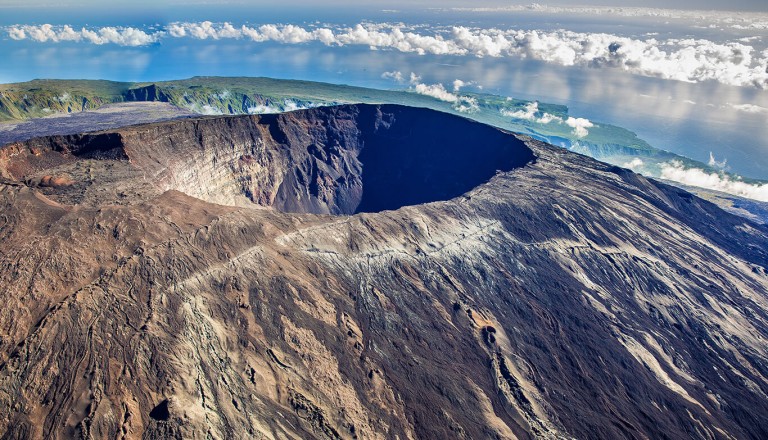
{"x":338,"y":160}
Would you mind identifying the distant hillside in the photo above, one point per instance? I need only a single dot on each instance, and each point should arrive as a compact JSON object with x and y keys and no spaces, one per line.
{"x":240,"y":95}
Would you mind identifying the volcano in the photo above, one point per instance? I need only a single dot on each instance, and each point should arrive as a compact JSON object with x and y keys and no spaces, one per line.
{"x":367,"y":271}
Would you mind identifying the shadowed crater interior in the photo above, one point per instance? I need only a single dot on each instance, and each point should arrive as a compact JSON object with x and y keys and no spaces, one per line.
{"x":371,"y":158}
{"x":161,"y":412}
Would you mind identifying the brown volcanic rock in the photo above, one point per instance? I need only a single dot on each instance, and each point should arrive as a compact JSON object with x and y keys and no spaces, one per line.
{"x":558,"y":297}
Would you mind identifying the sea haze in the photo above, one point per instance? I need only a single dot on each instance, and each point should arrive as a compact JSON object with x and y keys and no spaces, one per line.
{"x":701,"y":116}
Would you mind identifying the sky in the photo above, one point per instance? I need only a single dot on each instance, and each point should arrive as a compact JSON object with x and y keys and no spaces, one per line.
{"x":734,"y":5}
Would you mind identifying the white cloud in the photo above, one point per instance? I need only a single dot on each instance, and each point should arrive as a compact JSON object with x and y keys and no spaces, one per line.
{"x":531,"y":113}
{"x":17,"y":33}
{"x":394,"y":75}
{"x":723,"y":164}
{"x":675,"y":171}
{"x":461,"y":103}
{"x":579,"y":126}
{"x":734,"y":63}
{"x":528,"y":112}
{"x":459,"y":84}
{"x":546,"y":118}
{"x":708,"y":18}
{"x":636,"y":164}
{"x":204,"y":30}
{"x":123,"y":36}
{"x":436,"y":91}
{"x":288,"y":105}
{"x":749,"y":108}
{"x":120,"y":36}
{"x":207,"y":110}
{"x":177,"y":30}
{"x":260,"y":109}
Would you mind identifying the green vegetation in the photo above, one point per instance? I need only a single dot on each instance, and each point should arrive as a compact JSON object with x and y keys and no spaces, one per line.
{"x":219,"y":95}
{"x":44,"y":97}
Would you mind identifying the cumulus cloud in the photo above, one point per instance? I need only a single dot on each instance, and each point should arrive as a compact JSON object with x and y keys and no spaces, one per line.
{"x":532,"y":113}
{"x":546,"y":118}
{"x":463,"y":104}
{"x":123,"y":36}
{"x":579,"y":126}
{"x":734,"y":63}
{"x":436,"y":91}
{"x":675,"y":171}
{"x":459,"y":84}
{"x":17,"y":33}
{"x":204,"y":30}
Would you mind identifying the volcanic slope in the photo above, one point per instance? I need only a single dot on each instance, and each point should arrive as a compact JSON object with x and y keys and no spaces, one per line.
{"x":367,"y":272}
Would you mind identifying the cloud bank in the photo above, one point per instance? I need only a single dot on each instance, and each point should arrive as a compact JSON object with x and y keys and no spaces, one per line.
{"x":123,"y":36}
{"x":675,"y":171}
{"x":733,"y":63}
{"x":749,"y":108}
{"x":707,"y":18}
{"x":288,"y":105}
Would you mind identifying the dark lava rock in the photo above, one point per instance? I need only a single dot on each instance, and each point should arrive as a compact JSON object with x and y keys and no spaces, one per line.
{"x":368,"y":272}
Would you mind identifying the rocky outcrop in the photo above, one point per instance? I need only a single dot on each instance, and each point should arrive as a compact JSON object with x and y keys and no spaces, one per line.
{"x":146,"y":93}
{"x":191,"y":283}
